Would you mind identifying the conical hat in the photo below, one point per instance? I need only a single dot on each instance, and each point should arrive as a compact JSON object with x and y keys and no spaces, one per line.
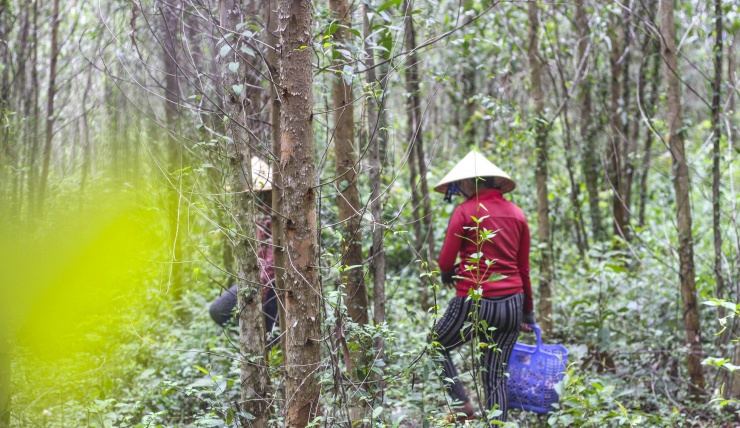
{"x":261,"y":175}
{"x":475,"y":165}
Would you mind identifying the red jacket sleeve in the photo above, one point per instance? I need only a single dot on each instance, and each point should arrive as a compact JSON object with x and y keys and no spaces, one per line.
{"x":523,"y":265}
{"x":453,"y":241}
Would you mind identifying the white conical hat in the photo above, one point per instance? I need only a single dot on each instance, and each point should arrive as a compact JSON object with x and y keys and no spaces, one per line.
{"x":261,"y":175}
{"x":475,"y":165}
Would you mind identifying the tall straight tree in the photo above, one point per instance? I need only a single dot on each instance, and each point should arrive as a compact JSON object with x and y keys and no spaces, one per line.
{"x":540,"y":134}
{"x":49,"y":133}
{"x":174,"y":150}
{"x":423,"y":223}
{"x":615,"y":141}
{"x":588,"y":134}
{"x":376,"y":148}
{"x":239,"y":80}
{"x":272,"y":39}
{"x":348,"y":199}
{"x":683,"y":202}
{"x":297,"y":164}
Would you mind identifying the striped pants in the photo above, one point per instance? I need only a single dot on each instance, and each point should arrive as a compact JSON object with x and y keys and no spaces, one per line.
{"x":456,"y":327}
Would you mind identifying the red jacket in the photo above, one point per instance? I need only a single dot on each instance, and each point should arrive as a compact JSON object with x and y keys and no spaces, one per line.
{"x":505,"y":252}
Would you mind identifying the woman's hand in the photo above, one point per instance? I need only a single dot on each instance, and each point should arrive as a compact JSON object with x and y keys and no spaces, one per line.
{"x":527,"y":320}
{"x":448,"y":279}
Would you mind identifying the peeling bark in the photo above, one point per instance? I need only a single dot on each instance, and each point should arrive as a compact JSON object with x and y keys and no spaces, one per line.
{"x":297,"y":163}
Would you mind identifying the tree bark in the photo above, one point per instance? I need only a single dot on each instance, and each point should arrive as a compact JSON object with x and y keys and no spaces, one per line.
{"x":616,"y":141}
{"x":302,"y":299}
{"x":683,"y":203}
{"x":278,"y":236}
{"x":540,"y":134}
{"x":376,"y":148}
{"x":423,"y":222}
{"x":241,"y":111}
{"x":655,"y":78}
{"x":589,"y":160}
{"x":630,"y":130}
{"x":51,"y":92}
{"x":174,"y":150}
{"x":348,"y":200}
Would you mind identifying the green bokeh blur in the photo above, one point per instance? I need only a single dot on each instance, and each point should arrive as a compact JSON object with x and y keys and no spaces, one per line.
{"x":62,"y":281}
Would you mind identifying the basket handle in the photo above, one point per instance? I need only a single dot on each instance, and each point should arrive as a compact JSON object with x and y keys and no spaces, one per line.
{"x":537,"y":333}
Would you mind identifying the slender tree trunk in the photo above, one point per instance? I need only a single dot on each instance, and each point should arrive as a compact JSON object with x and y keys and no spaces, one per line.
{"x":423,"y":223}
{"x":589,"y":161}
{"x":51,"y":92}
{"x":278,"y":235}
{"x":414,"y":138}
{"x":348,"y":199}
{"x":302,"y":300}
{"x":174,"y":150}
{"x":732,"y":379}
{"x":540,"y":134}
{"x":630,"y":130}
{"x":376,"y":142}
{"x":570,"y":151}
{"x":683,"y":202}
{"x":615,"y":142}
{"x":33,"y":116}
{"x":239,"y":108}
{"x":655,"y":78}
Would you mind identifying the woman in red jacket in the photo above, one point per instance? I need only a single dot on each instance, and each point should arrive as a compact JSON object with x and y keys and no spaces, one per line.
{"x":490,"y":236}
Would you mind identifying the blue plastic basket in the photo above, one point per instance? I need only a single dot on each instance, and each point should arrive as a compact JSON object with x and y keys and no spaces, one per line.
{"x":533,"y":372}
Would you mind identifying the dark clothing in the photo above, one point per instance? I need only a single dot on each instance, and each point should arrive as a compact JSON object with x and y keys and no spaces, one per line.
{"x":222,"y":309}
{"x":506,"y":253}
{"x":456,"y":327}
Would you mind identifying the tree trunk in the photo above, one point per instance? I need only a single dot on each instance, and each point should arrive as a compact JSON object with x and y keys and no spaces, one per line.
{"x":278,"y":236}
{"x":297,"y":163}
{"x":655,"y":78}
{"x":174,"y":150}
{"x":423,"y":222}
{"x":589,"y":161}
{"x":570,"y":151}
{"x":348,"y":199}
{"x":630,"y":130}
{"x":376,"y":148}
{"x":615,"y":142}
{"x":51,"y":92}
{"x":540,"y":134}
{"x":683,"y":203}
{"x":239,"y":108}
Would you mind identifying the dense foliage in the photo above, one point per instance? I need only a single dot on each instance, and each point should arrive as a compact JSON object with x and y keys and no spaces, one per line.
{"x":106,"y":324}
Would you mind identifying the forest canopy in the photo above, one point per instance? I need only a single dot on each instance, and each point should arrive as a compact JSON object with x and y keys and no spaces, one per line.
{"x":167,"y":164}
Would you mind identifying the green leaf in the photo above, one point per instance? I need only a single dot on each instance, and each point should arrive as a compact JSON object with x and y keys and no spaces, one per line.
{"x":200,"y":368}
{"x":238,"y":89}
{"x":225,"y":49}
{"x":233,"y":66}
{"x":378,"y":410}
{"x":496,"y":277}
{"x":388,"y":4}
{"x":247,"y":50}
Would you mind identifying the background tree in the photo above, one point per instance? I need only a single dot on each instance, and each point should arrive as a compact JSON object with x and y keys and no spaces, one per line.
{"x":683,"y":207}
{"x":240,"y":81}
{"x":540,"y":134}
